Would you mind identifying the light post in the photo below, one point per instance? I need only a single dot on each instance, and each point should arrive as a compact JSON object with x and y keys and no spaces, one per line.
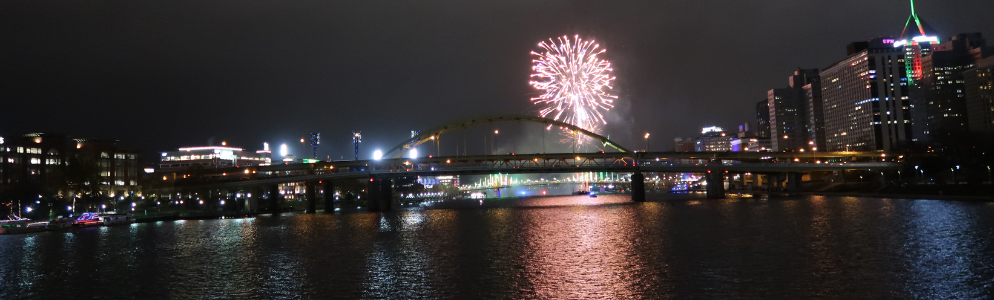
{"x":493,"y":146}
{"x":989,"y":181}
{"x":437,"y":148}
{"x":646,"y":142}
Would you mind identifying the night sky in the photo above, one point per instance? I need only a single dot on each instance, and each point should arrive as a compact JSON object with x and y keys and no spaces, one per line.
{"x":158,"y":75}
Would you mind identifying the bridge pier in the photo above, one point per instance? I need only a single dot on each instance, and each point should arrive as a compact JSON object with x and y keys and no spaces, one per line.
{"x":274,"y":198}
{"x":638,"y":187}
{"x":329,"y":196}
{"x":716,"y":184}
{"x":757,"y":181}
{"x":794,"y":181}
{"x":311,"y":194}
{"x":379,"y":190}
{"x":252,"y":200}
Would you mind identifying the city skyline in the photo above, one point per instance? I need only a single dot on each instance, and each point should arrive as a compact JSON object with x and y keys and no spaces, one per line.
{"x":159,"y":94}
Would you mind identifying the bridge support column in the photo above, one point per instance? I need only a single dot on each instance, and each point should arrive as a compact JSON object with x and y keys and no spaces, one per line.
{"x":794,"y":182}
{"x":252,"y":199}
{"x":638,"y":187}
{"x":274,"y":199}
{"x":757,"y":181}
{"x":312,"y":198}
{"x":777,"y":181}
{"x":742,"y":182}
{"x":716,"y":184}
{"x":329,"y":196}
{"x":379,"y":190}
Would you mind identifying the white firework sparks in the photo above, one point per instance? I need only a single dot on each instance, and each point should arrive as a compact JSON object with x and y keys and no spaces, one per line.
{"x":575,"y":83}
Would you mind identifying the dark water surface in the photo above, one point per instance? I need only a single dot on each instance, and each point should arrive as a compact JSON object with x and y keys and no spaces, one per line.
{"x":554,"y":247}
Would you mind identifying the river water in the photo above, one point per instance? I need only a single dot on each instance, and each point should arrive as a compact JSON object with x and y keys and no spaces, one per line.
{"x":607,"y":247}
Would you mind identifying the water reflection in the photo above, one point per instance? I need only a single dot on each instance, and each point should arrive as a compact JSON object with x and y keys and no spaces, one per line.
{"x":554,"y":247}
{"x":582,"y":252}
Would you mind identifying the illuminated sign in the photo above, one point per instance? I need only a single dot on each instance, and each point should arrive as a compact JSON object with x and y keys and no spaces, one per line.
{"x":711,"y":129}
{"x":929,"y":39}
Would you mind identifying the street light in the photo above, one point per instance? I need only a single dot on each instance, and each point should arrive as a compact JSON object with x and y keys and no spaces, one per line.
{"x":646,"y":142}
{"x":493,"y":146}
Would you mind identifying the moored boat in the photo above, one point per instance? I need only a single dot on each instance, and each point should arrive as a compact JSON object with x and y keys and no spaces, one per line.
{"x":97,"y":219}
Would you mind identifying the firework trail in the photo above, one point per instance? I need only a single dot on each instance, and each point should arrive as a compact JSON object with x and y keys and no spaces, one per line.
{"x":575,"y":83}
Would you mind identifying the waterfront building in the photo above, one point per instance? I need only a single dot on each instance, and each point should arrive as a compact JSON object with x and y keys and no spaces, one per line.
{"x":429,"y":181}
{"x":45,"y":161}
{"x":213,"y":157}
{"x":979,"y":85}
{"x":865,"y":99}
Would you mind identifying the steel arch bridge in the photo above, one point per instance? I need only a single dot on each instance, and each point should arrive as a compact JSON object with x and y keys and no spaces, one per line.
{"x":423,"y":137}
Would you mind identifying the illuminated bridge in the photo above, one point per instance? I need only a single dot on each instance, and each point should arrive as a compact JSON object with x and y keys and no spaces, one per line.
{"x":780,"y":169}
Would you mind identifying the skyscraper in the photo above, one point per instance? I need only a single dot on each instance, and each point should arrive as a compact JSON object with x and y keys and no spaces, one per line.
{"x":763,"y":119}
{"x":865,"y":98}
{"x":944,"y":86}
{"x":789,"y":111}
{"x":980,"y":97}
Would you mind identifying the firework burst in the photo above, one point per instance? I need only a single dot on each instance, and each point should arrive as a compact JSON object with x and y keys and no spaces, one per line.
{"x":575,"y":83}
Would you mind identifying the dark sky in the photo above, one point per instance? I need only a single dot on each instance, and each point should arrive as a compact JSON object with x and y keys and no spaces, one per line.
{"x":164,"y":74}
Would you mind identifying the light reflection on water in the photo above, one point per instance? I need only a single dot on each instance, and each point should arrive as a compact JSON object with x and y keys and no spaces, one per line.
{"x":553,"y":247}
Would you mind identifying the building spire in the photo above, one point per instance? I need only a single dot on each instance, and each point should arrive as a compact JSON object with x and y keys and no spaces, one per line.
{"x":918,"y":22}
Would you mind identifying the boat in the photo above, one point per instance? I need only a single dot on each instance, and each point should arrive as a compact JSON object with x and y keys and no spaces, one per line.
{"x":22,"y":226}
{"x":96,"y":219}
{"x":593,"y":195}
{"x":12,"y":222}
{"x":581,"y":192}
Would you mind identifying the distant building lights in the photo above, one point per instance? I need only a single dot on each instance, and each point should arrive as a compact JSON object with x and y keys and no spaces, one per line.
{"x":188,"y":149}
{"x":711,"y":129}
{"x":149,"y":170}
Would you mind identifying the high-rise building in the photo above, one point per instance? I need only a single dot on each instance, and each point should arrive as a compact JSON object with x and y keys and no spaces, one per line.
{"x":789,"y":111}
{"x":811,"y":94}
{"x":944,"y":86}
{"x":763,"y":119}
{"x":865,"y":99}
{"x":980,"y":97}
